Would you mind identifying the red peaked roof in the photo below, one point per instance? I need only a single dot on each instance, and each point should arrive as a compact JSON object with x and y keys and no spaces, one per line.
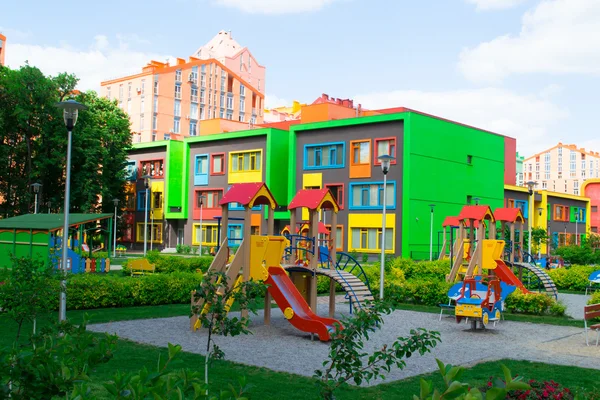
{"x":312,"y":199}
{"x":477,"y":213}
{"x":244,"y":193}
{"x":451,"y":221}
{"x":509,"y":215}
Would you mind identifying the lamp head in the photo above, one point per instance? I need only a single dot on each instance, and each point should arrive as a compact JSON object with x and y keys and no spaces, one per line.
{"x":146,"y":179}
{"x":530,"y":186}
{"x":476,"y":200}
{"x":385,"y":161}
{"x":202,"y":200}
{"x":116,"y":202}
{"x":36,"y":187}
{"x":431,"y":206}
{"x":70,"y":112}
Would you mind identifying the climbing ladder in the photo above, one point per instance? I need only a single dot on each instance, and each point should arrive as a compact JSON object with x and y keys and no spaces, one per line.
{"x":542,"y":277}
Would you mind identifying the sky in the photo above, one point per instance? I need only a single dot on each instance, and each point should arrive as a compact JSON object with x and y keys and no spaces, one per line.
{"x":529,"y":69}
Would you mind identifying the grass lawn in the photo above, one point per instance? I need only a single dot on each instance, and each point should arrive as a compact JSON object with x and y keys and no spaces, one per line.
{"x":268,"y":384}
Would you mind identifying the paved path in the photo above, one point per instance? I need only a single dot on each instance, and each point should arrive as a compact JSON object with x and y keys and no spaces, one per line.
{"x":281,"y":347}
{"x":574,"y":303}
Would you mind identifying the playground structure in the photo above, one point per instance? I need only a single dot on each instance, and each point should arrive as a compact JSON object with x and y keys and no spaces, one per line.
{"x":260,"y":258}
{"x":479,"y":253}
{"x":482,"y":301}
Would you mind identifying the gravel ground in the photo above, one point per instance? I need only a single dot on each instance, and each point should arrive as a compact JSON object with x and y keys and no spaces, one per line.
{"x":574,"y":303}
{"x":279,"y":345}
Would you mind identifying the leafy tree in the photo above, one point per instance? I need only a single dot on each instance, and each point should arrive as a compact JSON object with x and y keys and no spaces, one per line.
{"x":538,"y":237}
{"x":348,"y":361}
{"x":34,"y":144}
{"x":213,"y":299}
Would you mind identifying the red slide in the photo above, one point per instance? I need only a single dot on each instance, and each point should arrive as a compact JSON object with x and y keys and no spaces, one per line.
{"x":286,"y":296}
{"x":506,"y":275}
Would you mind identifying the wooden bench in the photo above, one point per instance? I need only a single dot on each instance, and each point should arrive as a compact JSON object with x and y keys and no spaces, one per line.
{"x":590,"y":312}
{"x":141,"y":267}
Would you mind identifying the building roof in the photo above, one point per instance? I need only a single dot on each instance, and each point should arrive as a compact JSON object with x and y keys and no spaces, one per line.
{"x":48,"y":222}
{"x":221,"y":46}
{"x":314,"y":199}
{"x":509,"y":215}
{"x":249,"y":194}
{"x":565,"y":146}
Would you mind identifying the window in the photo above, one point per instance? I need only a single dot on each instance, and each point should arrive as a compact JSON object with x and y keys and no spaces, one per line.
{"x":370,"y":195}
{"x":156,"y":201}
{"x":258,"y":85}
{"x":361,"y":152}
{"x":154,"y":232}
{"x":155,"y":105}
{"x":523,"y":205}
{"x":129,"y":90}
{"x":141,"y":200}
{"x":234,"y":234}
{"x":560,"y":151}
{"x":242,"y":105}
{"x":194,"y":95}
{"x":229,"y":115}
{"x":154,"y":122}
{"x":178,"y":75}
{"x":129,"y":107}
{"x":339,"y":237}
{"x":246,"y":161}
{"x":594,"y":209}
{"x":222,"y":100}
{"x":177,"y":108}
{"x":242,"y":90}
{"x":572,"y":166}
{"x":385,"y":146}
{"x":167,"y":136}
{"x":326,"y":155}
{"x":229,"y":102}
{"x":176,"y":125}
{"x":178,"y":91}
{"x":108,"y":92}
{"x":201,"y":170}
{"x":217,"y":164}
{"x":469,"y":159}
{"x":154,"y":168}
{"x":547,"y":157}
{"x":194,"y":111}
{"x":544,"y":185}
{"x":201,"y":112}
{"x":573,"y":155}
{"x":578,"y":214}
{"x":369,"y":239}
{"x":143,"y":86}
{"x":241,"y":117}
{"x":156,"y":87}
{"x":206,"y":233}
{"x":337,"y":191}
{"x":201,"y":96}
{"x":510,"y":203}
{"x":142,"y":122}
{"x":193,"y":128}
{"x":210,"y":199}
{"x":547,"y":175}
{"x":142,"y":105}
{"x":561,"y":213}
{"x":120,"y":93}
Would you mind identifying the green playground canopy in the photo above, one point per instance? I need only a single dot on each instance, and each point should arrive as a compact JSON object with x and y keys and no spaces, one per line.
{"x":49,"y":222}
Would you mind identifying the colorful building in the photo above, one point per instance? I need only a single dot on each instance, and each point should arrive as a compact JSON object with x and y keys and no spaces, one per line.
{"x":520,"y":174}
{"x":565,"y":217}
{"x":430,"y":168}
{"x":562,"y":168}
{"x":167,"y":101}
{"x":2,"y":48}
{"x":591,"y":189}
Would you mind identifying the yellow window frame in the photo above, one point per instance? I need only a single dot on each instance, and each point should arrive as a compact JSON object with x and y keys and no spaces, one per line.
{"x":154,"y":237}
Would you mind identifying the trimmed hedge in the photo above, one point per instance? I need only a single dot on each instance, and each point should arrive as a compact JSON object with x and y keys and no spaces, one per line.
{"x":89,"y":291}
{"x":595,"y":299}
{"x":572,"y":278}
{"x":533,"y":303}
{"x":170,"y":264}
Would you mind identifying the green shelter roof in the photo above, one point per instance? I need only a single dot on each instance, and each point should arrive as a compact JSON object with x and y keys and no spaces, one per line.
{"x":48,"y":222}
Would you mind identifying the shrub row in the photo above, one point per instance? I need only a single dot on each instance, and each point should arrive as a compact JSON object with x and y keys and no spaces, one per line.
{"x":534,"y":303}
{"x":88,"y":291}
{"x":572,"y":278}
{"x":170,"y":264}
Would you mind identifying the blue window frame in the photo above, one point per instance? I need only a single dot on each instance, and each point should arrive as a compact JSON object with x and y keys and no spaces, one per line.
{"x":369,"y":196}
{"x":141,"y":200}
{"x":524,"y":206}
{"x":201,"y":170}
{"x":235,"y":233}
{"x":324,"y":155}
{"x":131,"y":172}
{"x":578,"y":214}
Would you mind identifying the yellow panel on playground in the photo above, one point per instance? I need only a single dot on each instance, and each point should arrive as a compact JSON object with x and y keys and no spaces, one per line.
{"x":268,"y":250}
{"x":492,"y":251}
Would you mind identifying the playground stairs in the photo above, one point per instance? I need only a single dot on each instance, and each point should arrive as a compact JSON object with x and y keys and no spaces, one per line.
{"x":543,"y":277}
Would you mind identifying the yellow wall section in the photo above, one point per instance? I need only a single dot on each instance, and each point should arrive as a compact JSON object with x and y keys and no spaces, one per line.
{"x":372,"y":221}
{"x":158,"y":186}
{"x":311,"y":180}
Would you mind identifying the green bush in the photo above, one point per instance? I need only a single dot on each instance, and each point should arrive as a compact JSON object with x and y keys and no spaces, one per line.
{"x":89,"y":291}
{"x":533,"y":303}
{"x":572,"y":278}
{"x":436,"y":270}
{"x":421,"y":291}
{"x":170,"y":264}
{"x":595,"y":299}
{"x":578,"y":254}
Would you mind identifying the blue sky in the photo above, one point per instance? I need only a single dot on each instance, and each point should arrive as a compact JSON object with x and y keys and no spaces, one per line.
{"x":525,"y":68}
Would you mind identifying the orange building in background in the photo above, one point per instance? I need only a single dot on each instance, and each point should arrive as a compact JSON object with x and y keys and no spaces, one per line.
{"x":2,"y":48}
{"x":167,"y":101}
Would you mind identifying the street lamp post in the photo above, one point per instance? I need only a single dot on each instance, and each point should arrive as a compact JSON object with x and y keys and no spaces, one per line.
{"x":431,"y":206}
{"x":116,"y":203}
{"x":146,"y":179}
{"x":576,"y":228}
{"x":385,"y":167}
{"x":70,"y":113}
{"x":36,"y":190}
{"x":540,"y":210}
{"x":201,"y":229}
{"x":530,"y":186}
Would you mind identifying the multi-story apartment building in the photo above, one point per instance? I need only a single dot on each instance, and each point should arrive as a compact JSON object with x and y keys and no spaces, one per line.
{"x":171,"y":101}
{"x":562,"y":168}
{"x":520,"y":175}
{"x":238,"y":59}
{"x":2,"y":48}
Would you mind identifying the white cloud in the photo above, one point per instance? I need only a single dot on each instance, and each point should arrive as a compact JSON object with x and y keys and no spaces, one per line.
{"x":528,"y":118}
{"x":558,"y":37}
{"x":275,"y":6}
{"x":102,"y":60}
{"x":272,"y":101}
{"x":485,"y":5}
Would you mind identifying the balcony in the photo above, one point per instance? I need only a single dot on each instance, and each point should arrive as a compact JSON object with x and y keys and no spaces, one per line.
{"x":194,"y":99}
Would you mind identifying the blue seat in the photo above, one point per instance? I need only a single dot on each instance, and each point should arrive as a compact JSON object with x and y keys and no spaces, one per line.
{"x":469,"y":300}
{"x":594,"y":279}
